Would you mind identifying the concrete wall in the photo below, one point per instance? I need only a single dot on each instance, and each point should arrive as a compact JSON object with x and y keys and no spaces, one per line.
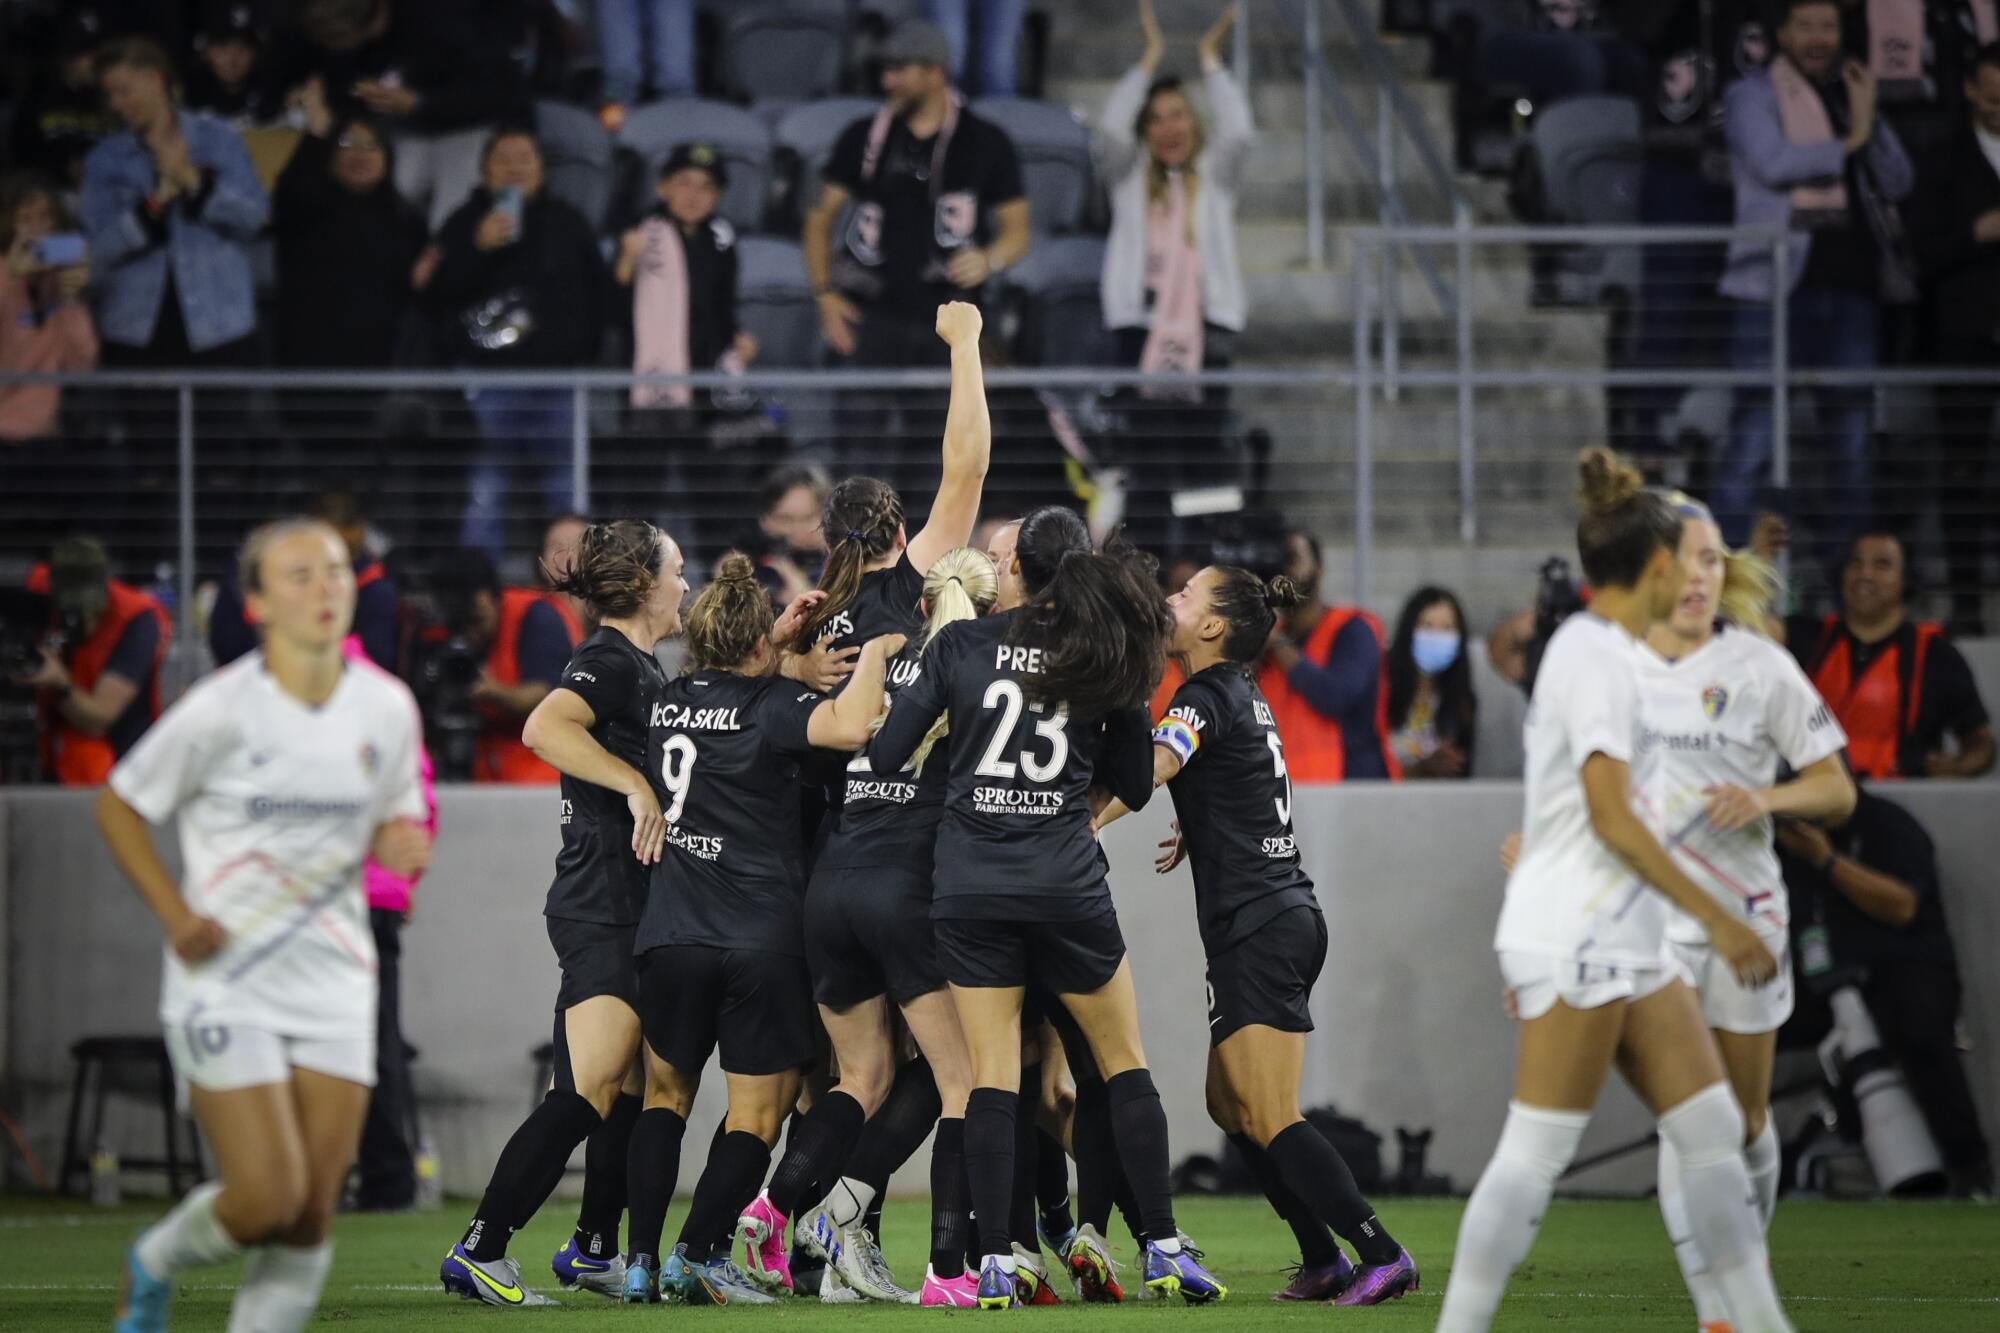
{"x":1411,"y":1031}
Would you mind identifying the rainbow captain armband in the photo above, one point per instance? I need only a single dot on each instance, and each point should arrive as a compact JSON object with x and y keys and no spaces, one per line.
{"x":1177,"y":736}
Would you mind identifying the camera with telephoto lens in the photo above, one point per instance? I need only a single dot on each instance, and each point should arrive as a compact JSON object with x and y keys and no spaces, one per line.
{"x":1557,"y":598}
{"x":445,"y":667}
{"x":1252,"y":540}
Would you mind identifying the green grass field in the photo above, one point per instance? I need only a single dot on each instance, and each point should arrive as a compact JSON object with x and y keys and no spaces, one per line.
{"x":1598,"y":1265}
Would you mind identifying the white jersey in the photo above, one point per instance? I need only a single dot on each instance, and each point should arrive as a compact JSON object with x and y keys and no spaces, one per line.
{"x":1728,"y":712}
{"x":1570,"y":895}
{"x":278,"y":804}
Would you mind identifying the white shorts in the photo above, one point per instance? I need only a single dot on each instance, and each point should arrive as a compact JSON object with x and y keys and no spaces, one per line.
{"x":221,"y":1057}
{"x":1728,"y":1004}
{"x":1538,"y":980}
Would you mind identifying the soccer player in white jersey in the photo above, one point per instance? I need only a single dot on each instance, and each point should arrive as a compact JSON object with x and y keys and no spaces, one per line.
{"x":1582,"y":937}
{"x":285,"y":770}
{"x":1725,"y":706}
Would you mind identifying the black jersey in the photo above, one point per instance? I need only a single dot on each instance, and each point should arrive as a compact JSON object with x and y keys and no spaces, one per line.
{"x":888,"y":601}
{"x":891,"y":819}
{"x":1234,"y":802}
{"x":1016,"y":821}
{"x":724,"y":755}
{"x":597,"y":877}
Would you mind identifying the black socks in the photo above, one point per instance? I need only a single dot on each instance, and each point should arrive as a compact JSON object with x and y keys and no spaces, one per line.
{"x":989,"y":1164}
{"x":1319,"y":1175}
{"x":530,"y":1167}
{"x":1096,"y":1154}
{"x":951,"y":1216}
{"x":1316,"y":1247}
{"x":1139,"y":1123}
{"x":604,"y":1179}
{"x":1021,"y":1216}
{"x":1052,"y":1184}
{"x":815,"y":1149}
{"x":653,"y":1165}
{"x":727,"y":1185}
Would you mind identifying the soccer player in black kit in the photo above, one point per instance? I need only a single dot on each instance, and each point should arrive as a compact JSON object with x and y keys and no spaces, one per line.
{"x":869,"y":943}
{"x":1046,"y":700}
{"x":1218,"y":751}
{"x":592,"y":727}
{"x":720,"y":942}
{"x":871,"y":585}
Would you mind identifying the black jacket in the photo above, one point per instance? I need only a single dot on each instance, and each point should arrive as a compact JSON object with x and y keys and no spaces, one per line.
{"x":553,"y":268}
{"x":1963,"y":274}
{"x":456,"y":55}
{"x":344,"y":262}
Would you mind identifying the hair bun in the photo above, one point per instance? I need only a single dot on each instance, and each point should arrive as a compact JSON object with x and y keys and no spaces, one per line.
{"x":735,"y":567}
{"x":1607,"y":481}
{"x":1281,"y":594}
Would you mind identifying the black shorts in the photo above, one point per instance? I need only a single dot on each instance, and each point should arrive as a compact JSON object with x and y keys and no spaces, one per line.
{"x":755,"y":1004}
{"x":1267,"y":980}
{"x":596,"y":960}
{"x":1061,"y":957}
{"x":869,"y":933}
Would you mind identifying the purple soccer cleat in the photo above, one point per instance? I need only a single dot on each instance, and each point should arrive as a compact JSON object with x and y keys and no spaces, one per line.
{"x":1381,"y":1282}
{"x":1320,"y":1282}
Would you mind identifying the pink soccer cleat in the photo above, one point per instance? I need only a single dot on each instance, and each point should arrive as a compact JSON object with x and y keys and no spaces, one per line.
{"x":761,"y":1228}
{"x":961,"y":1292}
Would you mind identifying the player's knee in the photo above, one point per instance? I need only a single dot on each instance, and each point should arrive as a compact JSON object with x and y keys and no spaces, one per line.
{"x":1223,"y":1109}
{"x":867,"y":1082}
{"x":1264,"y":1121}
{"x":267,"y":1208}
{"x":1754,"y":1118}
{"x":763,"y":1121}
{"x":602,"y":1094}
{"x":1705,"y":1127}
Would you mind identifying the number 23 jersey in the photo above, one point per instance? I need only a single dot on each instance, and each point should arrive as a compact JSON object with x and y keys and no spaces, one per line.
{"x":723,"y":754}
{"x":1234,"y":802}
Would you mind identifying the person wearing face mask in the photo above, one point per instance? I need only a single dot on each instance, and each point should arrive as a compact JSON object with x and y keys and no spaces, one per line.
{"x":347,"y":244}
{"x":1433,"y":713}
{"x":1172,"y":288}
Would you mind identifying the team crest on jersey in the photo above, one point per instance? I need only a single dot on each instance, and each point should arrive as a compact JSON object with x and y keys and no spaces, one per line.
{"x":1714,"y":700}
{"x":371,"y":758}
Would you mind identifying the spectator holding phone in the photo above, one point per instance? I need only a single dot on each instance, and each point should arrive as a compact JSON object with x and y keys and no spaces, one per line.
{"x":44,"y":325}
{"x":519,"y":285}
{"x":1433,"y":713}
{"x":170,"y":206}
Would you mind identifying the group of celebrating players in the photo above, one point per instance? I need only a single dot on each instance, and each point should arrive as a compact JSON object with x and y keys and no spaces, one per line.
{"x":884,"y":803}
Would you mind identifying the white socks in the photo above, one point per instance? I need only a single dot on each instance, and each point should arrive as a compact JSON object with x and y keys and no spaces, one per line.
{"x":1505,"y":1211}
{"x":1761,"y":1159}
{"x":1705,"y":1133}
{"x":281,"y":1288}
{"x":849,"y":1201}
{"x":189,"y":1236}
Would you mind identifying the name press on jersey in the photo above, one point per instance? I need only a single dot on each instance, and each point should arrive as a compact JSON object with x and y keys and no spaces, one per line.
{"x":694,"y":719}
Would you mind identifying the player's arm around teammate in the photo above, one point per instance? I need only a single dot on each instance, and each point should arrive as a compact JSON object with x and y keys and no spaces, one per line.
{"x":276,"y":816}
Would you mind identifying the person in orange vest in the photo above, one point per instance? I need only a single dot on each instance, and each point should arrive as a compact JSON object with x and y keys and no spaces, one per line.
{"x":102,"y":690}
{"x":523,"y":638}
{"x":1322,"y":674}
{"x":1897,"y":685}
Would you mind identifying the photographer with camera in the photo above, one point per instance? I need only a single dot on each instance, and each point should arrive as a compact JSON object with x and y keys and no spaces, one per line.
{"x":1515,"y":645}
{"x":100,"y":680}
{"x":1868,"y":901}
{"x":494,"y":653}
{"x":1322,"y":674}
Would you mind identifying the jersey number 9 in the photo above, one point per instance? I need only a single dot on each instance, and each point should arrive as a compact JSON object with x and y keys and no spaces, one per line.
{"x":677,"y":771}
{"x":1006,"y":696}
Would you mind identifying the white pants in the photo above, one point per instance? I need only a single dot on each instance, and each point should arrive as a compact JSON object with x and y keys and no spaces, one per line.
{"x":1728,"y":1004}
{"x":222,"y":1057}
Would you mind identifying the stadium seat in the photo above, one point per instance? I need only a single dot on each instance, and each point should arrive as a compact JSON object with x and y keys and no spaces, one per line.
{"x":775,"y":303}
{"x":783,"y":54}
{"x":578,"y":155}
{"x":804,"y":140}
{"x":1055,"y":288}
{"x":1054,"y":148}
{"x":1590,"y":157}
{"x":652,"y":131}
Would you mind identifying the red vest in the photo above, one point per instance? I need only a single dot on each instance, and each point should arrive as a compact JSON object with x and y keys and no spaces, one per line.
{"x":499,"y":755}
{"x":76,"y":758}
{"x":1877,"y":709}
{"x":1314,"y":747}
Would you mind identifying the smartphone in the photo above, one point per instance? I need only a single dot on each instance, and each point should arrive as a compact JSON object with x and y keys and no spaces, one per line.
{"x":508,"y":203}
{"x":61,"y":250}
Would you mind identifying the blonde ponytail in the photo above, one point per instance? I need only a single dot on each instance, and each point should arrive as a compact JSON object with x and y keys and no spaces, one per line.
{"x":961,"y":585}
{"x":1750,"y":587}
